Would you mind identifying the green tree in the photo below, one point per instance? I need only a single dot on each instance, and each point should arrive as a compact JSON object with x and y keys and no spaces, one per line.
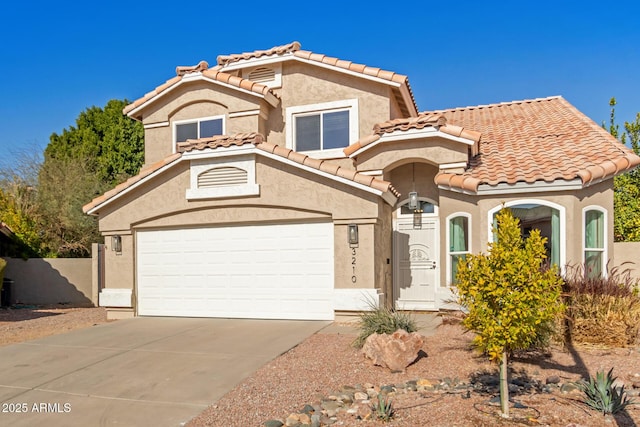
{"x":102,"y":149}
{"x":111,"y":144}
{"x":510,"y":296}
{"x":626,"y":187}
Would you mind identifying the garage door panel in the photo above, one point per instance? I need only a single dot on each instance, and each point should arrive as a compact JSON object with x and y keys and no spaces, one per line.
{"x":277,"y":271}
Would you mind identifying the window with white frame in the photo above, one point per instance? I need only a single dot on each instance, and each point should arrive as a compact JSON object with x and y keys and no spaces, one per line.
{"x":199,"y":128}
{"x":458,"y":243}
{"x":594,"y":241}
{"x":328,"y":127}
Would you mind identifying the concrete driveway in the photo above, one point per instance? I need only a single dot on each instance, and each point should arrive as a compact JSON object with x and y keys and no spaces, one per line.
{"x":147,"y":371}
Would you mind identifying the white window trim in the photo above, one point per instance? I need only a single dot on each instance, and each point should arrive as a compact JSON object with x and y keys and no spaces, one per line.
{"x":563,"y":223}
{"x":348,"y":104}
{"x":174,"y":126}
{"x":448,"y":241}
{"x":604,"y":236}
{"x":247,"y":163}
{"x":435,"y":213}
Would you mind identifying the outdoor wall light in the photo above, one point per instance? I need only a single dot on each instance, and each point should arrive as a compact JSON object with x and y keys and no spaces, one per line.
{"x":116,"y":243}
{"x":352,"y":230}
{"x":413,"y":200}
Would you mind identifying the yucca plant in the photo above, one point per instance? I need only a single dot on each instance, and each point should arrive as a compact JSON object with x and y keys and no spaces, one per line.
{"x":602,"y":395}
{"x":383,"y":410}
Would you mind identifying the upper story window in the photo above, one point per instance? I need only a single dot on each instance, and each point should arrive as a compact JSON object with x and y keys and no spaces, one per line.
{"x":323,"y":129}
{"x":199,"y":128}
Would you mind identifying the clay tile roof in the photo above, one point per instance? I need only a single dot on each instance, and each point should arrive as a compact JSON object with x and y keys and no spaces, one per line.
{"x":536,"y":140}
{"x":358,"y":68}
{"x":238,"y":140}
{"x":277,"y":50}
{"x":220,"y":141}
{"x":200,"y":67}
{"x":329,"y":167}
{"x":211,"y":73}
{"x":423,"y":120}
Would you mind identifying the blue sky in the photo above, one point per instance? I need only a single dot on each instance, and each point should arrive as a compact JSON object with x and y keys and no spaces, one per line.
{"x":58,"y":59}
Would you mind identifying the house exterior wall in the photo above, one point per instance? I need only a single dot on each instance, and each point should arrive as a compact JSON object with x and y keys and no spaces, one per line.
{"x":574,"y":202}
{"x":192,"y":101}
{"x":320,"y":86}
{"x":389,"y":155}
{"x":163,"y":204}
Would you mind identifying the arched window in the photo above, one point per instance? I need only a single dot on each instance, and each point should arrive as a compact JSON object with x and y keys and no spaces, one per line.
{"x":548,"y":217}
{"x":594,"y":241}
{"x":458,"y":242}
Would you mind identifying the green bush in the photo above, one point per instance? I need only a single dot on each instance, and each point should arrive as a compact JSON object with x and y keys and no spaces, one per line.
{"x":382,"y":320}
{"x":602,"y":310}
{"x":601,"y":394}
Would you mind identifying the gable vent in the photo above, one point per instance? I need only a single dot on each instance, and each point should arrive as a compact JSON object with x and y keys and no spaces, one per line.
{"x":222,"y":177}
{"x":262,"y":75}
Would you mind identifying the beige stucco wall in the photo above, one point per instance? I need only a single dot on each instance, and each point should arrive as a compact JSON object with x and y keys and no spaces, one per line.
{"x":51,"y":281}
{"x":195,"y":100}
{"x":389,"y":155}
{"x":304,"y":84}
{"x":626,"y":255}
{"x":574,"y":202}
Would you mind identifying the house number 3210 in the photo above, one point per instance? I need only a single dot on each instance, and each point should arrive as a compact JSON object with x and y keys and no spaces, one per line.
{"x":354,"y":279}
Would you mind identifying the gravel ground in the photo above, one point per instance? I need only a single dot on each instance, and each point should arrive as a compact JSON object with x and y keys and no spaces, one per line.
{"x":326,"y":362}
{"x":30,"y":322}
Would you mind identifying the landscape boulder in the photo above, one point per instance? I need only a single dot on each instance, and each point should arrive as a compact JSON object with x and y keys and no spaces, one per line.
{"x":395,"y":351}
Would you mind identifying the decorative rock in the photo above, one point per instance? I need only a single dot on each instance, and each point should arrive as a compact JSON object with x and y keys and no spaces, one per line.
{"x":569,"y":388}
{"x":273,"y":423}
{"x":554,"y":379}
{"x":304,"y":419}
{"x":358,"y":395}
{"x":292,"y":420}
{"x":315,"y":420}
{"x":395,"y":351}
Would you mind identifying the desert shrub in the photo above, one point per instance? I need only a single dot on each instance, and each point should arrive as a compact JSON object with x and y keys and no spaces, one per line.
{"x":602,"y":310}
{"x":381,"y":320}
{"x":601,"y":394}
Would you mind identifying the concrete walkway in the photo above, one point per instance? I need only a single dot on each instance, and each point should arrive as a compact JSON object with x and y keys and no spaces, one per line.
{"x":138,"y":372}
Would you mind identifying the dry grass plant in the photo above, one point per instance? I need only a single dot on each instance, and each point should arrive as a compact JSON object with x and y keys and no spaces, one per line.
{"x":602,"y":310}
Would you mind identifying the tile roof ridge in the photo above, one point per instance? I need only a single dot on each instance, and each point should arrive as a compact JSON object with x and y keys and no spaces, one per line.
{"x":329,"y":167}
{"x":497,"y":104}
{"x":223,"y":60}
{"x":213,"y":73}
{"x":201,"y":66}
{"x":216,"y":141}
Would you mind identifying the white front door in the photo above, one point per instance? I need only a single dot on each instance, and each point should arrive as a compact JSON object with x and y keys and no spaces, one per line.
{"x":417,"y":265}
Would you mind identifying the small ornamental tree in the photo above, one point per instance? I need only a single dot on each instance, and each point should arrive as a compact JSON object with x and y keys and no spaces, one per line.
{"x":510,"y":296}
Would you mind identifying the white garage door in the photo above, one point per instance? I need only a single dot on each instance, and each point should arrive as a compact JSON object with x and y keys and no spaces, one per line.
{"x":277,"y":271}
